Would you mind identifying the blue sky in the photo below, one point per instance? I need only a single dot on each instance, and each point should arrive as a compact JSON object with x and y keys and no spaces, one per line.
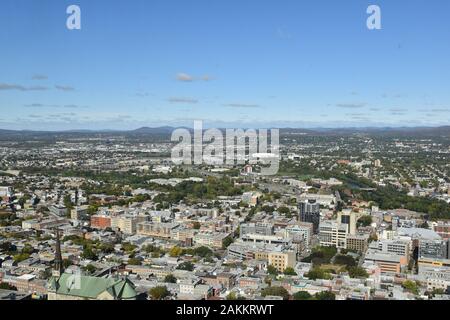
{"x":251,"y":63}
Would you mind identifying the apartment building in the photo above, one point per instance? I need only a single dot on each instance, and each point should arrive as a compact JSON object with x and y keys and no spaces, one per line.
{"x":43,"y":224}
{"x":247,"y":250}
{"x":442,"y":228}
{"x":100,"y":221}
{"x":224,"y":279}
{"x":210,"y":239}
{"x":251,"y":198}
{"x":249,"y":282}
{"x":157,"y":230}
{"x":58,"y":210}
{"x":282,"y":260}
{"x":127,"y":223}
{"x":302,"y":231}
{"x":358,"y":242}
{"x":434,"y":249}
{"x":183,"y":234}
{"x":263,"y":228}
{"x":332,"y":233}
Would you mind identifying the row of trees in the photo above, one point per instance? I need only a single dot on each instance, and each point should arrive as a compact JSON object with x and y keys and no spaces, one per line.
{"x":390,"y":198}
{"x":301,"y":295}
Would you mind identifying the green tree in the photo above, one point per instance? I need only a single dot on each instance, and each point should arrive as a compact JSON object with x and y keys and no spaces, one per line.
{"x":90,"y":268}
{"x":89,"y":254}
{"x":106,"y":248}
{"x":272,"y":270}
{"x":283,"y":210}
{"x":357,"y":272}
{"x":275,"y":291}
{"x":170,"y":278}
{"x":68,"y":202}
{"x":128,"y":247}
{"x":186,"y":266}
{"x":7,"y":247}
{"x":365,"y":221}
{"x":203,"y":252}
{"x":318,"y":273}
{"x":21,"y":257}
{"x":346,"y":260}
{"x":290,"y":271}
{"x":302,"y":295}
{"x":226,"y":242}
{"x":325,"y":295}
{"x":411,"y":286}
{"x":27,"y":249}
{"x":159,"y":293}
{"x":321,"y":255}
{"x":7,"y":286}
{"x":196,"y":225}
{"x":134,"y":262}
{"x":175,"y":251}
{"x":232,"y":296}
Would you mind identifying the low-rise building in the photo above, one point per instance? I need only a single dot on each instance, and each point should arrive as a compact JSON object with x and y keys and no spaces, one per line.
{"x":282,"y":260}
{"x":387,"y":262}
{"x":210,"y":239}
{"x":58,"y":210}
{"x":100,"y":221}
{"x":358,"y":242}
{"x":162,"y":230}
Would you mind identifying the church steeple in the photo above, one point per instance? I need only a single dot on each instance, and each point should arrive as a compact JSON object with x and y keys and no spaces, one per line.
{"x":58,"y":268}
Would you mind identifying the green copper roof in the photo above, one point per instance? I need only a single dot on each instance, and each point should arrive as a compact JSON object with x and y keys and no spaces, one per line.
{"x":128,"y":292}
{"x":91,"y":287}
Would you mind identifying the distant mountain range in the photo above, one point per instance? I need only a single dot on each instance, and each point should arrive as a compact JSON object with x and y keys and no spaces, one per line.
{"x":400,"y":131}
{"x":167,"y":130}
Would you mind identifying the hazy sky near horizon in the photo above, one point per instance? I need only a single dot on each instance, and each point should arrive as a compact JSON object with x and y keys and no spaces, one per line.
{"x":251,"y":63}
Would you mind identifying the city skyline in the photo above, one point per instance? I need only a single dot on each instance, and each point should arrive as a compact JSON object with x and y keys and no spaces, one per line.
{"x":151,"y":64}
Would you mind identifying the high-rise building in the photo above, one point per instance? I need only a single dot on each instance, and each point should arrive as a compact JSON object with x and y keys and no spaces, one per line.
{"x":350,"y":218}
{"x":333,"y":234}
{"x":256,"y":228}
{"x":442,"y":228}
{"x":433,"y":249}
{"x":309,"y":211}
